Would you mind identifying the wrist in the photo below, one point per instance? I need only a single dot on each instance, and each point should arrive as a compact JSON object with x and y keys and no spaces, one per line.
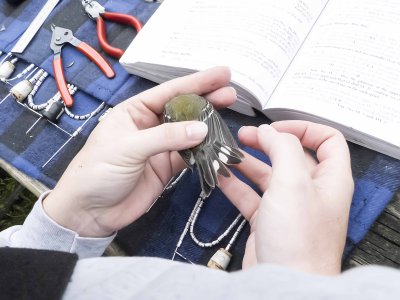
{"x":68,"y":213}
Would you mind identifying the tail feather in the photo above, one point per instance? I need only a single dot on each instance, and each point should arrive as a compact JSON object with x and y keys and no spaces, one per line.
{"x":205,"y":187}
{"x":226,"y":154}
{"x":206,"y":167}
{"x":219,"y":166}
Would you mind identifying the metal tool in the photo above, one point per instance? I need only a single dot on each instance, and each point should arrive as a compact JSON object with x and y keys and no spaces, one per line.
{"x":99,"y":13}
{"x":60,"y":37}
{"x":38,"y":21}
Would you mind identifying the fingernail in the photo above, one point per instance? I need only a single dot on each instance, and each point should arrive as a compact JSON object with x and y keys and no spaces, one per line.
{"x":197,"y":130}
{"x":242,"y":128}
{"x":265,"y":127}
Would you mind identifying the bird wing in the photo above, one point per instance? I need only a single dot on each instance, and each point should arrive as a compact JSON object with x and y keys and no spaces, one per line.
{"x":218,"y":150}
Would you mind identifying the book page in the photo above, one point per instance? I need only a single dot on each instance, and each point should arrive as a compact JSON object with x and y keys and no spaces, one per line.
{"x":256,"y":38}
{"x":348,"y":70}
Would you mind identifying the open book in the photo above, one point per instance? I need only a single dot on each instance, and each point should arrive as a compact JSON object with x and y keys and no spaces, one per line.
{"x":335,"y":62}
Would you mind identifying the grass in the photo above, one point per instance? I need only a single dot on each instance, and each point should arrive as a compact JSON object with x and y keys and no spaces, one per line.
{"x":15,"y":201}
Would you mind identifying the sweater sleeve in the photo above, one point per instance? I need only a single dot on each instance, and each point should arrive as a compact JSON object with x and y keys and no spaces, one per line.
{"x":39,"y":231}
{"x":157,"y":278}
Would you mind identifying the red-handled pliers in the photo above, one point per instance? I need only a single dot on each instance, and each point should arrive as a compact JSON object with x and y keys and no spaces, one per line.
{"x":98,"y":12}
{"x":59,"y":38}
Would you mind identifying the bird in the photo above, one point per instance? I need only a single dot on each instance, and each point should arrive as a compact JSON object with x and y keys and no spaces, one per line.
{"x":217,"y":151}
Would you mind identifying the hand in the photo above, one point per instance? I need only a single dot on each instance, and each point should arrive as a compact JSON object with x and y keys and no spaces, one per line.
{"x":301,"y":219}
{"x":129,"y":157}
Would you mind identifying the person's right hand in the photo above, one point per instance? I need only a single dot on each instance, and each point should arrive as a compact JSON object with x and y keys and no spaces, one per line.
{"x":130,"y":156}
{"x":301,"y":220}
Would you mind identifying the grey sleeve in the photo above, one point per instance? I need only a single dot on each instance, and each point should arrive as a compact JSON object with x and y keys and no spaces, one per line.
{"x":155,"y":278}
{"x":39,"y":231}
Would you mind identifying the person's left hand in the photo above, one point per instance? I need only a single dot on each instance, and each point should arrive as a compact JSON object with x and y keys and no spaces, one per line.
{"x":129,"y":157}
{"x":301,"y":219}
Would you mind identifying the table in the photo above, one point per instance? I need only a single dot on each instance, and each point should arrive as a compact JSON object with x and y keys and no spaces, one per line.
{"x":381,"y":245}
{"x":33,"y":185}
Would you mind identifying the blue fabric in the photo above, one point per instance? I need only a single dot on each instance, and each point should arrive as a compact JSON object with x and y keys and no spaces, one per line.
{"x":83,"y":73}
{"x":377,"y":176}
{"x":33,"y":150}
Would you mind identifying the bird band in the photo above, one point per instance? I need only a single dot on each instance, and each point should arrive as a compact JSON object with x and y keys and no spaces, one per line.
{"x":220,"y":260}
{"x":6,"y":69}
{"x":21,"y":90}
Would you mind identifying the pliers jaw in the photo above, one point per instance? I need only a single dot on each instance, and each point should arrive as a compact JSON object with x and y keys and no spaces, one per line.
{"x":60,"y":37}
{"x":93,"y":8}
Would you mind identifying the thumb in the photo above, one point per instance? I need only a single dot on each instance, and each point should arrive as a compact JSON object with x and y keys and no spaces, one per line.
{"x":169,"y":137}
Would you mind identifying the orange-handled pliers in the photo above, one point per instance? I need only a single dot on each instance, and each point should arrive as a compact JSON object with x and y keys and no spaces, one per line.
{"x":98,"y":12}
{"x":62,"y":36}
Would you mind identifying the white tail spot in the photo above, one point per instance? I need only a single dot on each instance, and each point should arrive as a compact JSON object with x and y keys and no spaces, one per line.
{"x":223,"y":157}
{"x":216,"y":165}
{"x":226,"y":150}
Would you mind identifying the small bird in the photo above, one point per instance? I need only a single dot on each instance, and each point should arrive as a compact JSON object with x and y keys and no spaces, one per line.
{"x":217,"y":151}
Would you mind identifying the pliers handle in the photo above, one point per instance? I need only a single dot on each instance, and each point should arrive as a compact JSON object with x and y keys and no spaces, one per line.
{"x":59,"y":38}
{"x":99,"y":13}
{"x":102,"y":33}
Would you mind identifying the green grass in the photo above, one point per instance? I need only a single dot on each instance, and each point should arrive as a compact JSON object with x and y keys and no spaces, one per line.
{"x":15,"y":201}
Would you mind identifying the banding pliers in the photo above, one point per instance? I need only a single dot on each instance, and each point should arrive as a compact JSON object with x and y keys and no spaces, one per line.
{"x":98,"y":12}
{"x":62,"y":36}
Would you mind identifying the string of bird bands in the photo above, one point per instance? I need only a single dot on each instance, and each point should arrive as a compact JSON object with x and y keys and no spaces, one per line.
{"x":221,"y":258}
{"x":24,"y":85}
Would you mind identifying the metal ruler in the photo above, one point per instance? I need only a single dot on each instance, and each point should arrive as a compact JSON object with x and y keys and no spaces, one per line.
{"x":28,"y":35}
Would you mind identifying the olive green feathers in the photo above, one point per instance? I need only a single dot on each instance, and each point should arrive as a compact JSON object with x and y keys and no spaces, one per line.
{"x":217,"y":151}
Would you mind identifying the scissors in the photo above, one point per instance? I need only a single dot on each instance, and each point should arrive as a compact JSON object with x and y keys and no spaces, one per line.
{"x":99,"y":13}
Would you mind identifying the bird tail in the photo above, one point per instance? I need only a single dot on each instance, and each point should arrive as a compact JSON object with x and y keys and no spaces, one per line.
{"x":212,"y":161}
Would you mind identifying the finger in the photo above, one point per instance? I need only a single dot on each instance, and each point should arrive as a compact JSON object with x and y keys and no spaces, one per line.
{"x":286,"y":154}
{"x":200,"y":83}
{"x":144,"y":118}
{"x":255,"y":170}
{"x":248,"y":136}
{"x":177,"y":163}
{"x":168,"y":137}
{"x":242,"y":196}
{"x":330,"y":145}
{"x":250,"y":254}
{"x":222,"y":97}
{"x":311,"y":161}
